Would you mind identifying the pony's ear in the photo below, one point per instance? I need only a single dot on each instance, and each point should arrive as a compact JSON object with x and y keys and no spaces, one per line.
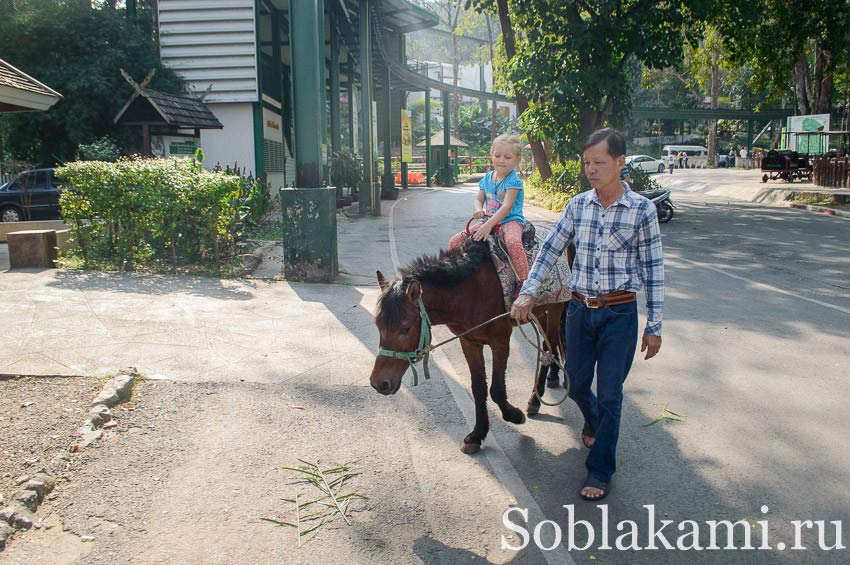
{"x":414,"y":290}
{"x":382,"y":282}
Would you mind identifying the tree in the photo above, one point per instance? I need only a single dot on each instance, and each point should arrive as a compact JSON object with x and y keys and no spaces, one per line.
{"x":541,"y":159}
{"x":78,"y":52}
{"x":789,"y":43}
{"x":572,"y":60}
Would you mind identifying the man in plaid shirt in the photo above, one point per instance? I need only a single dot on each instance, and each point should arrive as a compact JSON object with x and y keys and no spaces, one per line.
{"x":618,"y":251}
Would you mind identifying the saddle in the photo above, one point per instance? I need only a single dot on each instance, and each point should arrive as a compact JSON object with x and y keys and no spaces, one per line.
{"x":554,"y":288}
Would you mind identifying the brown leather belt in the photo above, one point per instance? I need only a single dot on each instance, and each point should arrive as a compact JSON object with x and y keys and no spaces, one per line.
{"x":611,"y":299}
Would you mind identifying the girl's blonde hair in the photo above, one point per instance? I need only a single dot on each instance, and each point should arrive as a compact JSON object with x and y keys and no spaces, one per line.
{"x":511,"y":139}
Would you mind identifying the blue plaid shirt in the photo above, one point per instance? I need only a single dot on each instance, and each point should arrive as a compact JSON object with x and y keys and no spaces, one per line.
{"x":618,"y":248}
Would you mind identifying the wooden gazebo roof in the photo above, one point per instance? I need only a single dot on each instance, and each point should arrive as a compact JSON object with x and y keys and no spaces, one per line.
{"x":154,"y":108}
{"x":19,"y":92}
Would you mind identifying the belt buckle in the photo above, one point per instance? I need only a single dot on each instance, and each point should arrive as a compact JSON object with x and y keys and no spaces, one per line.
{"x":589,"y":304}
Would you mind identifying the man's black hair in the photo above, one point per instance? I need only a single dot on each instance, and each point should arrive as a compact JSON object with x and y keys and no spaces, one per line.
{"x":615,"y":139}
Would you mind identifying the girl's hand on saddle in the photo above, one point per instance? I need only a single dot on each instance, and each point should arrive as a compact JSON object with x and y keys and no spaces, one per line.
{"x":477,"y":214}
{"x":482,"y":232}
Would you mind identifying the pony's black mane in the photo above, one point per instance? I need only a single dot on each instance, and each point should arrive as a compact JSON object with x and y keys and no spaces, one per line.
{"x":448,"y":268}
{"x":444,"y":270}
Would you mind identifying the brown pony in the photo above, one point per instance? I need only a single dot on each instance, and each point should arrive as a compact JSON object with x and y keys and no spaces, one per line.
{"x":459,"y":289}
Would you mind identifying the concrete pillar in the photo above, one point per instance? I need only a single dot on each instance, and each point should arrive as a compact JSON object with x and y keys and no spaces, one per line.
{"x":446,"y":169}
{"x":370,"y":197}
{"x":428,"y":167}
{"x":334,"y":75}
{"x":749,"y":137}
{"x":303,"y":23}
{"x":323,"y":85}
{"x":351,"y":109}
{"x":403,"y":94}
{"x":388,"y":180}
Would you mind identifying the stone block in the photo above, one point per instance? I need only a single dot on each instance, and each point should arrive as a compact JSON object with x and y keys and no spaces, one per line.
{"x":32,"y":249}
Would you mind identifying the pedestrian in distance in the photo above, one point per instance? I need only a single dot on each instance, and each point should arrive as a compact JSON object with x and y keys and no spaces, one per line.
{"x":499,"y":204}
{"x":671,"y":162}
{"x":618,"y":252}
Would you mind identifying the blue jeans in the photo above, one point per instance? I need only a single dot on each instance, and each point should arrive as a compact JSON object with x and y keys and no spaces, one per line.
{"x":601,"y":340}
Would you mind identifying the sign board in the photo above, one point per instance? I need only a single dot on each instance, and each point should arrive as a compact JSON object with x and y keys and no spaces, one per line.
{"x":173,"y":146}
{"x":803,"y":124}
{"x":406,"y":137}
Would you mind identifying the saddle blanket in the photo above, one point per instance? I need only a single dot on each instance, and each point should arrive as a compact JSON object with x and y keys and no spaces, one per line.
{"x":554,"y":288}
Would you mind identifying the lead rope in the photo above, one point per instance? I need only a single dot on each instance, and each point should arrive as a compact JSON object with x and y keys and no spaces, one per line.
{"x":424,"y":354}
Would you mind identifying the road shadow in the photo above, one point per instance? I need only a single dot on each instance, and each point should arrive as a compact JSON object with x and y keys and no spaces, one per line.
{"x":139,"y":283}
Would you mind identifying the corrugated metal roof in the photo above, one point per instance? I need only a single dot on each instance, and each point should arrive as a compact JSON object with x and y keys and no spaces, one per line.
{"x":174,"y":110}
{"x":15,"y":78}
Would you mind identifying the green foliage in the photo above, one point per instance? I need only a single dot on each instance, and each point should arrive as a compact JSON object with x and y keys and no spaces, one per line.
{"x":642,"y":181}
{"x":475,"y":127}
{"x":772,"y":36}
{"x":103,"y":149}
{"x":417,"y":116}
{"x":78,"y":52}
{"x":156,"y":212}
{"x":555,"y":192}
{"x":346,"y":170}
{"x":572,"y":59}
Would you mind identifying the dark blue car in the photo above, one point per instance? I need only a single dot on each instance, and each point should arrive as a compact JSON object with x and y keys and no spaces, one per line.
{"x":32,"y":195}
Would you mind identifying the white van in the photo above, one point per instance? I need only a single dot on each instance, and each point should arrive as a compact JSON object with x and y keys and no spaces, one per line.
{"x":696,"y":154}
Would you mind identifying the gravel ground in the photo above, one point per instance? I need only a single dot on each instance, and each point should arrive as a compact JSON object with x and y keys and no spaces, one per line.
{"x":39,"y":417}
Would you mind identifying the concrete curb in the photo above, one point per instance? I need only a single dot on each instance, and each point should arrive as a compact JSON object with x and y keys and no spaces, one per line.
{"x":818,"y":209}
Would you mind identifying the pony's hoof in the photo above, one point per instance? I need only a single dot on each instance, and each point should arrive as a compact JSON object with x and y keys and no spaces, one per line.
{"x":470,"y":448}
{"x":532,"y":409}
{"x":515,"y":416}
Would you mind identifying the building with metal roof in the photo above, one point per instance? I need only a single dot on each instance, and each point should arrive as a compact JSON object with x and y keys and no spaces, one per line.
{"x":293,"y":81}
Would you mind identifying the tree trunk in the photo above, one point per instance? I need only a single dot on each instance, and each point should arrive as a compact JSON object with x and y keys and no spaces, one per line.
{"x":823,"y":81}
{"x":713,"y":94}
{"x":537,"y":150}
{"x":493,"y":111}
{"x":801,"y":84}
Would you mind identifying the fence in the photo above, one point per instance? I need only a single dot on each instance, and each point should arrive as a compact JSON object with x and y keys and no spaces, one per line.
{"x":4,"y":177}
{"x":833,"y":172}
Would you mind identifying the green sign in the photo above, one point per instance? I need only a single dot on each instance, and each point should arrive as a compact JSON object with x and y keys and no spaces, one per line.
{"x":182,"y":147}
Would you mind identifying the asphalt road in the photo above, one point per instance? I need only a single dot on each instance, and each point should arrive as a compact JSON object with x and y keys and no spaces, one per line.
{"x":756,"y":327}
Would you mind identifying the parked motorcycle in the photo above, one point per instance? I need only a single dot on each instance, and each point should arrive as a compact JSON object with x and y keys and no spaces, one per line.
{"x":663,"y":203}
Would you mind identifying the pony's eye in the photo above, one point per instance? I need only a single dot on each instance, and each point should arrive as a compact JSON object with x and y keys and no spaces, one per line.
{"x":404,"y":331}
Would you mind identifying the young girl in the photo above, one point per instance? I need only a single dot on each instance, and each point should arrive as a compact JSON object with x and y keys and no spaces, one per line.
{"x":500,"y":202}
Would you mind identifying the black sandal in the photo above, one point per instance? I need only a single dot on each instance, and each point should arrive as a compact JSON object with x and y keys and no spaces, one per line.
{"x":593,"y":482}
{"x":587,"y":432}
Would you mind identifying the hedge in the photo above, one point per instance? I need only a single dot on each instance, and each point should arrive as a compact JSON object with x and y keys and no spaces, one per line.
{"x":156,"y":212}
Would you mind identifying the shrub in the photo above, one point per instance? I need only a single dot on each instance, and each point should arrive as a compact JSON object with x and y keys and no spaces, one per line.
{"x":147,"y":212}
{"x":103,"y":149}
{"x":345,"y":171}
{"x":641,"y":180}
{"x":555,"y":192}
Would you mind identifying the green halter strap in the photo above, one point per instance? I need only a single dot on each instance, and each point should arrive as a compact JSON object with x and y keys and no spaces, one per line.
{"x":422,"y":352}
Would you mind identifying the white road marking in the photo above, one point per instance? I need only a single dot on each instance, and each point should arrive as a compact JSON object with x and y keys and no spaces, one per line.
{"x":504,"y":470}
{"x":767,"y":286}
